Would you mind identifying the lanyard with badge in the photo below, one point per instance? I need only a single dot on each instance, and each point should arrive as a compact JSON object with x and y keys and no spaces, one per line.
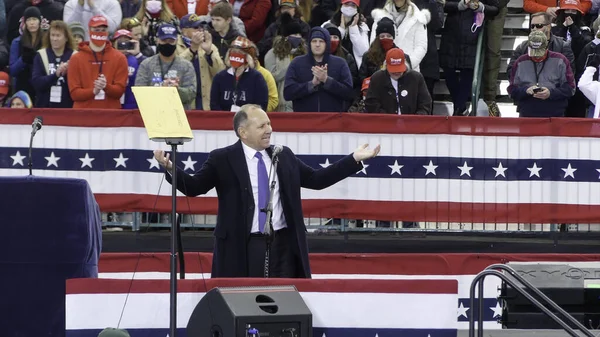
{"x":537,"y":73}
{"x":234,"y":94}
{"x":100,"y":95}
{"x":56,"y":89}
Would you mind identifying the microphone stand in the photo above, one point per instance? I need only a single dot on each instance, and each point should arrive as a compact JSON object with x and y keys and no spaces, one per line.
{"x":30,"y":164}
{"x":174,"y":235}
{"x":268,"y":231}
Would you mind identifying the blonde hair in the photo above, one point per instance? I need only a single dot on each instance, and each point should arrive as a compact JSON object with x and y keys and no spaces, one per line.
{"x":61,"y":26}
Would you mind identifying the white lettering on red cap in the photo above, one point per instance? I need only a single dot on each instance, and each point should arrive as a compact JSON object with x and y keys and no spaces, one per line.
{"x":3,"y":83}
{"x":395,"y":62}
{"x":237,"y":59}
{"x":98,"y":37}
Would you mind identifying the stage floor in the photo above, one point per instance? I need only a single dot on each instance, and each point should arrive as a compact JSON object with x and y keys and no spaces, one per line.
{"x":407,"y":242}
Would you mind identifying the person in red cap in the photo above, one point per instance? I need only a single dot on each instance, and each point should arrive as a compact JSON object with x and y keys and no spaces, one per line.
{"x":98,"y":72}
{"x":549,"y":6}
{"x":354,"y":32}
{"x":4,"y":87}
{"x":124,"y":42}
{"x":359,"y":104}
{"x":396,"y":89}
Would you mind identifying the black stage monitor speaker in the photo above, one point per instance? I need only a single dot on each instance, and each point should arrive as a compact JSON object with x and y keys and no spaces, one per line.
{"x":277,"y":311}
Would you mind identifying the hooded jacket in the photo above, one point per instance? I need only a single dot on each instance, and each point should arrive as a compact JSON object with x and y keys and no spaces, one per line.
{"x":84,"y":70}
{"x":335,"y":95}
{"x":411,"y":32}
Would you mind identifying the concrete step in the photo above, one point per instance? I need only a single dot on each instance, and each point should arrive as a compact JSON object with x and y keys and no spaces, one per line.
{"x":517,"y":21}
{"x":509,"y":42}
{"x":508,"y":110}
{"x":515,"y":4}
{"x":441,"y":88}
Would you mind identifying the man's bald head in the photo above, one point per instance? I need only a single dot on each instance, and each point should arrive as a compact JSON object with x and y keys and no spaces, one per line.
{"x":252,"y":125}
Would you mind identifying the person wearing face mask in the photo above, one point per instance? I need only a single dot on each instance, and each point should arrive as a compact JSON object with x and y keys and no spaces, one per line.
{"x":541,"y":82}
{"x":287,"y":9}
{"x":410,"y":24}
{"x":570,"y":26}
{"x":239,"y":84}
{"x":152,"y":14}
{"x":83,"y":10}
{"x":288,"y":44}
{"x":124,"y":42}
{"x":98,"y":72}
{"x":354,"y":32}
{"x":167,"y":69}
{"x":338,"y":50}
{"x":397,"y":89}
{"x":543,"y":22}
{"x":374,"y":58}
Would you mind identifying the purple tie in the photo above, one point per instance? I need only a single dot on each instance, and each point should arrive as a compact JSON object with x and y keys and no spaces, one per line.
{"x":263,"y":191}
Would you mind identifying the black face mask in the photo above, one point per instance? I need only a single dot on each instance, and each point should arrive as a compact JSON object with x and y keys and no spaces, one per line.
{"x":166,"y":49}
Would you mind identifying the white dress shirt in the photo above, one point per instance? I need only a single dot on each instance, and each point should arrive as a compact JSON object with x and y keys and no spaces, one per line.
{"x":252,"y":162}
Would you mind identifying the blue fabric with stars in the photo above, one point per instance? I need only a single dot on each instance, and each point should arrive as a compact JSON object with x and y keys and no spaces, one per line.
{"x":379,"y":167}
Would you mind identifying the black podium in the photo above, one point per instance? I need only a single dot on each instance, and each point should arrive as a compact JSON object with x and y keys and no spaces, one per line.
{"x":51,"y":231}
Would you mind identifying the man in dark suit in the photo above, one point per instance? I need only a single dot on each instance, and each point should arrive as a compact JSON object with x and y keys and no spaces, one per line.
{"x":239,"y":174}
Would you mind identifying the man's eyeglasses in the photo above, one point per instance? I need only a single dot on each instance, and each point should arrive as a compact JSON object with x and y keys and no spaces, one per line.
{"x":538,"y":25}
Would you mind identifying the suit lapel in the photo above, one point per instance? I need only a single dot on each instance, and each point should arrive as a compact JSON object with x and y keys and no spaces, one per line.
{"x":237,"y":160}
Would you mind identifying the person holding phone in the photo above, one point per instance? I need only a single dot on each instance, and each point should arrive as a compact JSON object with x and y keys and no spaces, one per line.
{"x":541,"y":82}
{"x":124,"y":42}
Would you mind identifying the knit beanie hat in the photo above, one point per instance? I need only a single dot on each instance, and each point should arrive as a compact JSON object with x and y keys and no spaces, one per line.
{"x":32,"y":12}
{"x":386,"y":25}
{"x":23,"y":96}
{"x":288,"y":25}
{"x":317,"y":34}
{"x":77,"y":29}
{"x":333,"y":30}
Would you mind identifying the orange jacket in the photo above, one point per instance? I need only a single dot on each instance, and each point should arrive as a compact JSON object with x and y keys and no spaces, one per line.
{"x":84,"y":70}
{"x":534,"y":6}
{"x":179,"y":7}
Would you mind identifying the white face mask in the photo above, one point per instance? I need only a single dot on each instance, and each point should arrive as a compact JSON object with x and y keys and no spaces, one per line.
{"x":153,"y":6}
{"x":349,"y":11}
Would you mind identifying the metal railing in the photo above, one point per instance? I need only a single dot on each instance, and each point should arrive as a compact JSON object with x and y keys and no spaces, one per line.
{"x":491,"y":270}
{"x":137,"y":221}
{"x":477,"y":72}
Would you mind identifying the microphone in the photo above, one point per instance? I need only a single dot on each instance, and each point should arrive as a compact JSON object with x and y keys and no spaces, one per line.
{"x":35,"y":126}
{"x":277,"y":150}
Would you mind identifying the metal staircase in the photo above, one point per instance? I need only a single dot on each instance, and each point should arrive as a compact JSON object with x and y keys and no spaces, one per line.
{"x":514,"y":282}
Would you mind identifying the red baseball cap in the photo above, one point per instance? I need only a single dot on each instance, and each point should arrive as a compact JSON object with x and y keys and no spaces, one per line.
{"x":98,"y":21}
{"x":122,"y":32}
{"x":395,"y":60}
{"x":356,"y":2}
{"x":4,"y":83}
{"x":365,"y":84}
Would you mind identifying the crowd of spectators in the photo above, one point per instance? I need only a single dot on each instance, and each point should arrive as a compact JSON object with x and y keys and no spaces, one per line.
{"x":377,"y":56}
